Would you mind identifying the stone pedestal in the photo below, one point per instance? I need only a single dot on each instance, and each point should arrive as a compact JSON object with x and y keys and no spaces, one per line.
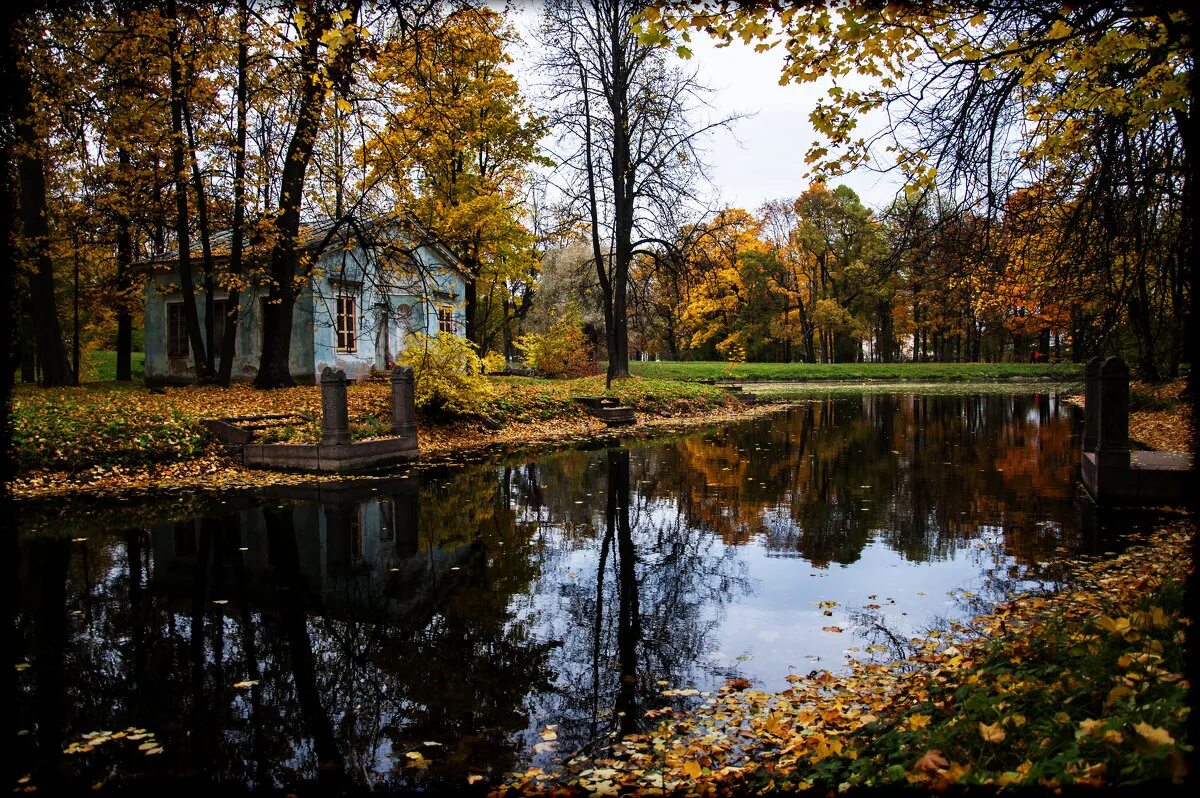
{"x":1112,"y":448}
{"x":404,"y":411}
{"x":1091,"y":405}
{"x":335,"y":420}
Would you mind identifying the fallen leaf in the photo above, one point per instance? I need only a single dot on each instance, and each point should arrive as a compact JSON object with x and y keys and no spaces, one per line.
{"x":992,"y":733}
{"x":931,"y":761}
{"x":1153,"y":734}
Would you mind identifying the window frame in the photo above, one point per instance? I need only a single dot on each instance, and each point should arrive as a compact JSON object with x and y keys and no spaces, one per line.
{"x":446,"y":320}
{"x":345,"y":322}
{"x":176,"y":331}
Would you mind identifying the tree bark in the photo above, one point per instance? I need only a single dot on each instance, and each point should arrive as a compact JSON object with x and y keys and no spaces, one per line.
{"x":238,"y":230}
{"x":191,"y":319}
{"x":273,"y":369}
{"x":34,"y":237}
{"x":124,"y":261}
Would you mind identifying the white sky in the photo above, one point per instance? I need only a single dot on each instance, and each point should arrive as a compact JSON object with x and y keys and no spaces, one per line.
{"x":762,"y":156}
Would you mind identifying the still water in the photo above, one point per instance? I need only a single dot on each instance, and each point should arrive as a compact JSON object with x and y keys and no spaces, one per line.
{"x":312,"y":636}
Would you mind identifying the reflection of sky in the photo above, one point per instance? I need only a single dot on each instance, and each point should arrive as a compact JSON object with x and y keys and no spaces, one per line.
{"x":779,"y":629}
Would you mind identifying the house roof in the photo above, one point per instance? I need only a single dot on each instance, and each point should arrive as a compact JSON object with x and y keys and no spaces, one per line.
{"x":324,"y":237}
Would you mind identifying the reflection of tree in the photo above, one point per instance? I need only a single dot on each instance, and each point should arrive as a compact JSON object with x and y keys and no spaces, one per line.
{"x":647,"y":592}
{"x":921,"y":473}
{"x":355,"y":652}
{"x":496,"y":597}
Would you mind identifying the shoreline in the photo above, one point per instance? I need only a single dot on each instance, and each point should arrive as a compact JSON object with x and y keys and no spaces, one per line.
{"x":438,"y":446}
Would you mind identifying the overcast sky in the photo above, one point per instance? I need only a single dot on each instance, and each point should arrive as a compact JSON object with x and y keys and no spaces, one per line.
{"x":762,"y":156}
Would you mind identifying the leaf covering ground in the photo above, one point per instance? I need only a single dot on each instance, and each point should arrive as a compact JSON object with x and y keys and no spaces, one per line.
{"x":108,"y":438}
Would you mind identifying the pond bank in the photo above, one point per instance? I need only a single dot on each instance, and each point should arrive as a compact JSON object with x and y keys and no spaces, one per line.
{"x":438,"y":445}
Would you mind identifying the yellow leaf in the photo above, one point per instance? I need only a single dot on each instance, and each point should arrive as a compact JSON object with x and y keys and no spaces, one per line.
{"x":1153,"y":734}
{"x":549,"y":734}
{"x":474,"y":778}
{"x":918,"y":721}
{"x":692,"y":769}
{"x":992,"y":733}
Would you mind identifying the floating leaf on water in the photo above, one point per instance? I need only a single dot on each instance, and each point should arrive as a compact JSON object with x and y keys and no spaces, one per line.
{"x":475,"y":778}
{"x":220,"y":601}
{"x":244,"y":684}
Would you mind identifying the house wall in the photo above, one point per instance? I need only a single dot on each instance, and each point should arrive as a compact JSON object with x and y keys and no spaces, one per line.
{"x":405,"y":305}
{"x":411,"y":306}
{"x":163,"y":288}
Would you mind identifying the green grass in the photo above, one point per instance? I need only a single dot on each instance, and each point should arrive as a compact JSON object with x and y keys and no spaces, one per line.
{"x":897,"y":372}
{"x":101,"y":366}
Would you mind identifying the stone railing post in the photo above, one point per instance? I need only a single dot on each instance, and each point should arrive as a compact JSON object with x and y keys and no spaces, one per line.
{"x":1112,"y":450}
{"x":404,"y":412}
{"x":1091,"y":405}
{"x":335,"y":419}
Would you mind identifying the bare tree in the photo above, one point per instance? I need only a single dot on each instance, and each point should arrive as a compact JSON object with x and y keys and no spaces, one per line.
{"x":628,"y":138}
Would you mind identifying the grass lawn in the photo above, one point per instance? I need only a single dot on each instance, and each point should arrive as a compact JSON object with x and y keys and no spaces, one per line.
{"x":102,"y":366}
{"x":905,"y":372}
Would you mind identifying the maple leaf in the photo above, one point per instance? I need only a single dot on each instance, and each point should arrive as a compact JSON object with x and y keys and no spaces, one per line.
{"x":918,"y":721}
{"x":931,"y":761}
{"x":992,"y":733}
{"x":692,"y":769}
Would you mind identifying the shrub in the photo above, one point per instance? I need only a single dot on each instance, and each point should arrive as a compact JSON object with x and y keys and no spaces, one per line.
{"x":563,"y":351}
{"x":447,"y":375}
{"x":494,"y":363}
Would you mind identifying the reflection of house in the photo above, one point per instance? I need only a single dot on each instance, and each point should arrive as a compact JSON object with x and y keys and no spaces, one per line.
{"x":350,"y":555}
{"x":354,"y":312}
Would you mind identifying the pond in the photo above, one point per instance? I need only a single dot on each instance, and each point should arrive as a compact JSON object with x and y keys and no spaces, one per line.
{"x":420,"y":629}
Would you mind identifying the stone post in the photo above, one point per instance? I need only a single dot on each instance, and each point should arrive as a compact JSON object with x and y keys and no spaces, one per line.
{"x":1091,"y":405}
{"x":404,"y":412}
{"x":1112,"y":450}
{"x":335,"y":419}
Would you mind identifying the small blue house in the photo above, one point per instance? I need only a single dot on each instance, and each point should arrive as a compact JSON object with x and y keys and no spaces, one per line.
{"x":357,"y":311}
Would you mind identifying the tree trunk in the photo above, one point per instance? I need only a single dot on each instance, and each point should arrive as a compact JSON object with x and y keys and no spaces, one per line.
{"x":205,"y":245}
{"x":124,"y":261}
{"x":273,"y":369}
{"x":35,"y":241}
{"x":233,"y":298}
{"x":178,"y":162}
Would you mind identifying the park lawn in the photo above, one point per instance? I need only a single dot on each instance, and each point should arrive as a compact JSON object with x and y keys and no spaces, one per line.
{"x":123,"y":424}
{"x":101,"y":366}
{"x":900,"y":372}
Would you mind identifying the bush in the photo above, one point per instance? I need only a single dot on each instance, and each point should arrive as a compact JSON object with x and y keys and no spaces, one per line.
{"x":494,"y":363}
{"x":447,"y":375}
{"x":563,"y":351}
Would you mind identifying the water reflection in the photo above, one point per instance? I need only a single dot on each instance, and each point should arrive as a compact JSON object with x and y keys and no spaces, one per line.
{"x":324,"y":636}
